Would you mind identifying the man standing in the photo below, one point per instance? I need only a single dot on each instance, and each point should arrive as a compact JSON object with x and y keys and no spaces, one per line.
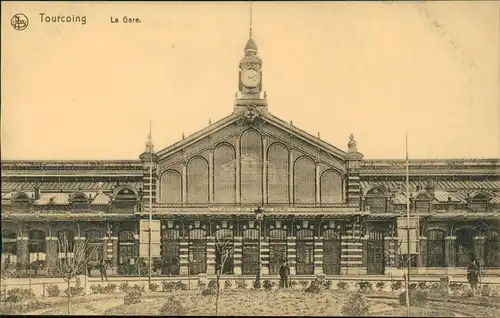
{"x":104,"y":268}
{"x":472,"y":275}
{"x":284,"y":275}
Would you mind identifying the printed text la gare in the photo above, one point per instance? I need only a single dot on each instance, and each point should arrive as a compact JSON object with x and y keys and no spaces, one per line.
{"x":125,"y":19}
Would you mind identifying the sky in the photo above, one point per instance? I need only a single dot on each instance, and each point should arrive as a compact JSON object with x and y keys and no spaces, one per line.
{"x":376,"y":70}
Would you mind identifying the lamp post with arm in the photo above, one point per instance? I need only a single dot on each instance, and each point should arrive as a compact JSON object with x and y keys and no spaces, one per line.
{"x":138,"y":260}
{"x":259,"y":215}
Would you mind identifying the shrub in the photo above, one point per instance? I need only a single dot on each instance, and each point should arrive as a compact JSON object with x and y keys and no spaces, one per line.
{"x":380,"y":285}
{"x":356,"y":305}
{"x":153,"y":287}
{"x":173,"y":286}
{"x":110,"y":288}
{"x":201,"y":284}
{"x":140,"y":288}
{"x":124,"y":287}
{"x":172,"y":307}
{"x":327,"y":284}
{"x":417,"y":297}
{"x":486,"y":290}
{"x":304,"y":284}
{"x":53,"y":290}
{"x":228,"y":284}
{"x":75,"y":291}
{"x":133,"y":296}
{"x":422,"y":285}
{"x":314,"y":287}
{"x":342,"y":285}
{"x":364,"y":286}
{"x":268,"y":285}
{"x":396,"y":285}
{"x":210,"y":289}
{"x":241,"y":284}
{"x":17,"y":295}
{"x":97,"y":289}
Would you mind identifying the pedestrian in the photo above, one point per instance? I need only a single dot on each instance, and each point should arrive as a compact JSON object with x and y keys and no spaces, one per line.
{"x":284,"y":274}
{"x":103,"y":269}
{"x":472,"y":275}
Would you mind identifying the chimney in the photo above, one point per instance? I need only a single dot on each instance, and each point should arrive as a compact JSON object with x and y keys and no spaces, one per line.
{"x":37,"y":190}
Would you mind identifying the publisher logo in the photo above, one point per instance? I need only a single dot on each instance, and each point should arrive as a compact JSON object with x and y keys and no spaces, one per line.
{"x":19,"y":22}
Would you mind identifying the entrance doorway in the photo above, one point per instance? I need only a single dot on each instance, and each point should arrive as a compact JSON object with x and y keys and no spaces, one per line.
{"x":464,"y":245}
{"x":332,"y":252}
{"x":375,"y":253}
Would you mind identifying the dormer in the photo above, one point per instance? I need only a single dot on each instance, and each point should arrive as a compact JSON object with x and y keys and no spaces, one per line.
{"x":477,"y":201}
{"x":375,"y":199}
{"x":79,"y":200}
{"x":422,"y":201}
{"x":125,"y":197}
{"x":21,"y":198}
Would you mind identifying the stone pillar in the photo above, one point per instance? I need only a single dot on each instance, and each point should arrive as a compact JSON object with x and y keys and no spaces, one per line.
{"x":114,"y":257}
{"x":450,"y":251}
{"x":318,"y":255}
{"x":148,"y":159}
{"x":238,"y":168}
{"x":422,"y":256}
{"x":184,"y":256}
{"x":184,"y":183}
{"x":353,"y":158}
{"x":318,"y":185}
{"x":237,"y":255}
{"x":52,"y":251}
{"x":264,"y":255}
{"x":22,"y":250}
{"x":290,"y":177}
{"x":264,"y":171}
{"x":292,"y":254}
{"x":353,"y":258}
{"x":211,"y":255}
{"x":479,"y":242}
{"x":211,"y":176}
{"x":79,"y":250}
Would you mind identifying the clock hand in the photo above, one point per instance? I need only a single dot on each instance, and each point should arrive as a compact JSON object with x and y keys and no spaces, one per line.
{"x":252,"y":77}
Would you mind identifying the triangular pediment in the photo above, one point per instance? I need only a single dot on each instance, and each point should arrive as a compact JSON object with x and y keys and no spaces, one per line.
{"x":232,"y":126}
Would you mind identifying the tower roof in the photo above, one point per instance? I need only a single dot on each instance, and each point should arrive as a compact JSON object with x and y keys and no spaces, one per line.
{"x":251,"y":45}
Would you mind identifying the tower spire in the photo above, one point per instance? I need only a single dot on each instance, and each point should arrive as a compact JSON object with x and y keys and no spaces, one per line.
{"x":251,"y":11}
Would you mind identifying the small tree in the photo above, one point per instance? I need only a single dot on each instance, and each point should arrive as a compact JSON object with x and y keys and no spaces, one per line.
{"x":74,"y":263}
{"x":224,"y":246}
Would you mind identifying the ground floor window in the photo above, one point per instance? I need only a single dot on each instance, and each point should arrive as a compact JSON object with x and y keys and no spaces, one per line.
{"x":332,"y":252}
{"x":65,"y":243}
{"x":126,"y":248}
{"x":9,"y":249}
{"x":94,"y":250}
{"x":250,"y":251}
{"x":224,"y":248}
{"x":278,"y":251}
{"x":170,"y":251}
{"x":464,"y":246}
{"x":197,"y":250}
{"x":435,"y":248}
{"x":305,"y":252}
{"x":492,"y":249}
{"x":37,"y":246}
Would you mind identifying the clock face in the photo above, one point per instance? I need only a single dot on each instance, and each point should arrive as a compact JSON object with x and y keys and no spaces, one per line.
{"x":250,"y":78}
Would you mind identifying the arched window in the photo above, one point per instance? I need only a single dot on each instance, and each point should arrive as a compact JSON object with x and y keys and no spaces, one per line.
{"x":224,"y":246}
{"x":171,"y":187}
{"x":197,"y":180}
{"x":197,"y":251}
{"x":304,"y":181}
{"x":126,"y":248}
{"x":435,"y":248}
{"x":65,"y":243}
{"x":251,"y":167}
{"x":278,"y":251}
{"x":224,"y":174}
{"x":331,"y":187}
{"x":305,"y":252}
{"x":94,"y":239}
{"x":250,"y":251}
{"x":277,"y":174}
{"x":37,"y":246}
{"x":170,"y":248}
{"x":376,"y":200}
{"x":492,"y":249}
{"x":9,"y":248}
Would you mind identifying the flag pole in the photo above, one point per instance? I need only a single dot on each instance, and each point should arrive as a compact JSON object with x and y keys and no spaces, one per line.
{"x":150,"y":200}
{"x":408,"y":265}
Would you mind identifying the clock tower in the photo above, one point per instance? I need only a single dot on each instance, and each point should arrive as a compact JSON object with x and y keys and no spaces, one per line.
{"x":250,"y":77}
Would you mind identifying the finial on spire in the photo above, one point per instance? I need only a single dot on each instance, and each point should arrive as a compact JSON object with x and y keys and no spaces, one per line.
{"x":250,"y":30}
{"x":210,"y":121}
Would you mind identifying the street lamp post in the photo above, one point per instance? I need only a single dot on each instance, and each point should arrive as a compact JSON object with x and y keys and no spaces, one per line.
{"x":136,"y":237}
{"x":259,"y":215}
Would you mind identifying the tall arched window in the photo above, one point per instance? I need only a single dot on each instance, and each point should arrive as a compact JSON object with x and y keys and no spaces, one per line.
{"x":331,"y":187}
{"x":278,"y":251}
{"x":435,"y":248}
{"x":250,"y":251}
{"x":171,"y":187}
{"x":492,"y":249}
{"x":197,"y":180}
{"x":224,"y":174}
{"x":277,"y":174}
{"x":95,"y":242}
{"x":37,"y":246}
{"x":197,"y":251}
{"x":305,"y":180}
{"x":251,"y":167}
{"x":170,"y":251}
{"x":305,"y":252}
